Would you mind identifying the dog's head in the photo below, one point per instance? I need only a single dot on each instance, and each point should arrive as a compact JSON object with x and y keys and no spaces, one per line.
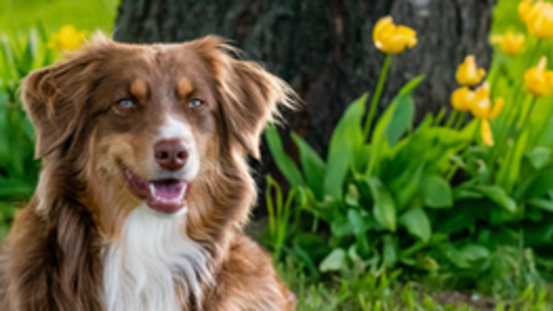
{"x":158,"y":125}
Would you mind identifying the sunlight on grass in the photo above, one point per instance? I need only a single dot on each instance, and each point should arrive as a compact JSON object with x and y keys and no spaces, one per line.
{"x":18,"y":15}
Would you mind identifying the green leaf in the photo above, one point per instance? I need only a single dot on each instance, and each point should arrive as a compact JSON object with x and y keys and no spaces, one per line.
{"x":393,"y":123}
{"x":411,"y":86}
{"x":15,"y":188}
{"x":335,"y":261}
{"x":315,"y":246}
{"x":49,"y":53}
{"x":356,"y":222}
{"x":417,"y":223}
{"x":283,"y":161}
{"x":345,"y":143}
{"x":26,"y":63}
{"x":509,"y":172}
{"x":474,"y":252}
{"x":384,"y":208}
{"x":401,"y":119}
{"x":543,"y":204}
{"x":340,"y":227}
{"x":352,"y":196}
{"x":313,"y":167}
{"x":536,"y":185}
{"x":389,"y":251}
{"x":539,"y":156}
{"x":437,"y":192}
{"x":455,"y":256}
{"x":497,"y":195}
{"x":9,"y":71}
{"x":406,"y":188}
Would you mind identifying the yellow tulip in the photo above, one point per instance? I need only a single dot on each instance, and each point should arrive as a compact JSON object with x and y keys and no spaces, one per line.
{"x":67,"y":39}
{"x":486,"y":132}
{"x":468,"y":74}
{"x":462,"y":98}
{"x":539,"y":20}
{"x":485,"y":112}
{"x":538,"y":80}
{"x":524,"y":7}
{"x":393,"y":39}
{"x":478,"y":102}
{"x":510,"y":43}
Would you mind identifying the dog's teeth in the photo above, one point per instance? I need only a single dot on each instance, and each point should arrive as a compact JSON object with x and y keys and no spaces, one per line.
{"x":183,"y":190}
{"x":152,"y":190}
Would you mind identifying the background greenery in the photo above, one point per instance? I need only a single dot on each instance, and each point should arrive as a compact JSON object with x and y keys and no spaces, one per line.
{"x":18,"y":16}
{"x":368,"y":226}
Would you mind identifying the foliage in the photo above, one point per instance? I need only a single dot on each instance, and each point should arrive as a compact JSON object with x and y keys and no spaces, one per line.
{"x":353,"y":289}
{"x":439,"y":198}
{"x":18,"y":169}
{"x":16,"y":16}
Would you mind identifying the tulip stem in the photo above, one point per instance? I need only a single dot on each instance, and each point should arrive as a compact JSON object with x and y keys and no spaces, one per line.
{"x":440,"y":116}
{"x":376,"y":96}
{"x":528,"y":115}
{"x":460,"y":121}
{"x":454,"y":115}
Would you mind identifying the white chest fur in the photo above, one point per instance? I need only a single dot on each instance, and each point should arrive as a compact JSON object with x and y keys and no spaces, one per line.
{"x":154,"y":265}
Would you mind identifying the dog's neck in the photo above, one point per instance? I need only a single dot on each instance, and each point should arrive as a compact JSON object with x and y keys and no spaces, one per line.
{"x":153,"y":265}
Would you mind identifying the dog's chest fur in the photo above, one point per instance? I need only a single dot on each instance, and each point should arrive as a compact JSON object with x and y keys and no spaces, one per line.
{"x":154,"y":265}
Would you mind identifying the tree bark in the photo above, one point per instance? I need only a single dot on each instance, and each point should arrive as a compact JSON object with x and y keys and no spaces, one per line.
{"x":324,"y":48}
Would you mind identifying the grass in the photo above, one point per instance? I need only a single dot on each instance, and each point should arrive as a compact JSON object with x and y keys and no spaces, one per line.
{"x":355,"y":290}
{"x":20,"y":15}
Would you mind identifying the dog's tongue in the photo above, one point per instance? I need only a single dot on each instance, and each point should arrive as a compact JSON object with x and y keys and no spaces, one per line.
{"x":167,"y":196}
{"x":168,"y":190}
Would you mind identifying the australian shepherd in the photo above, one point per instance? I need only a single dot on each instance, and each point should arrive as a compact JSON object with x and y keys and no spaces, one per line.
{"x":145,"y":185}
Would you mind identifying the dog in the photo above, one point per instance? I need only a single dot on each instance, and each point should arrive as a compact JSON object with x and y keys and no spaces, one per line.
{"x":145,"y":186}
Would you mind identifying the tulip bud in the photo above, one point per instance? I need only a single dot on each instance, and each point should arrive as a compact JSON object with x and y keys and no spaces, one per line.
{"x":393,"y":39}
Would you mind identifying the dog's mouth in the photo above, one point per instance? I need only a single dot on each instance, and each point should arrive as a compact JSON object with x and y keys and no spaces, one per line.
{"x":165,"y":195}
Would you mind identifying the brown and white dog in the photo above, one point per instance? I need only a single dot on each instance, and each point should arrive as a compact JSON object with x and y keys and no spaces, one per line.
{"x":145,"y":186}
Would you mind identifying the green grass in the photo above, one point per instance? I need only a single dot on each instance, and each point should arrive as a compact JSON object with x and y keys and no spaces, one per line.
{"x":20,"y":15}
{"x":378,"y":291}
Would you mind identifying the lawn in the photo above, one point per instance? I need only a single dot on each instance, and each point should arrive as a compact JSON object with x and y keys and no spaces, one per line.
{"x":18,"y":16}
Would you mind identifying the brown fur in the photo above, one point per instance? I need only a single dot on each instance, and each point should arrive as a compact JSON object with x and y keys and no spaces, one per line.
{"x":51,"y":259}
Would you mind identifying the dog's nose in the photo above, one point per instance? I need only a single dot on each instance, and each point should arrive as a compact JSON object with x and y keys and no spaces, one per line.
{"x":171,"y":155}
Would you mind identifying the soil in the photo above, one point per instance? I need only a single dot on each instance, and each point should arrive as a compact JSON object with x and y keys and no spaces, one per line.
{"x":456,"y":298}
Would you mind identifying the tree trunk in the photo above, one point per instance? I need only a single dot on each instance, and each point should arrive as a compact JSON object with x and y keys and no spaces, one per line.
{"x":324,"y":48}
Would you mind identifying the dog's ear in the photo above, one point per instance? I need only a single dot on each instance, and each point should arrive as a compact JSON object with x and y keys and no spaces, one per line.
{"x":55,"y":96}
{"x":248,"y":94}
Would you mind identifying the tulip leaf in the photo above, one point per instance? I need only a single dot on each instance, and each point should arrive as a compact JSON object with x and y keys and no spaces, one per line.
{"x":344,"y":144}
{"x":400,"y":100}
{"x":474,"y":252}
{"x":417,"y":223}
{"x":401,"y":119}
{"x":389,"y":251}
{"x":312,"y":165}
{"x":509,"y":172}
{"x":437,"y":192}
{"x":384,"y":208}
{"x":539,"y":156}
{"x":543,"y":204}
{"x":495,"y":194}
{"x":340,"y":227}
{"x":283,"y":161}
{"x":536,"y":185}
{"x":393,"y":123}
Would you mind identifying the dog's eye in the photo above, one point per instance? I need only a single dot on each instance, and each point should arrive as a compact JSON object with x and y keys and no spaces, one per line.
{"x":195,"y":103}
{"x":126,"y":103}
